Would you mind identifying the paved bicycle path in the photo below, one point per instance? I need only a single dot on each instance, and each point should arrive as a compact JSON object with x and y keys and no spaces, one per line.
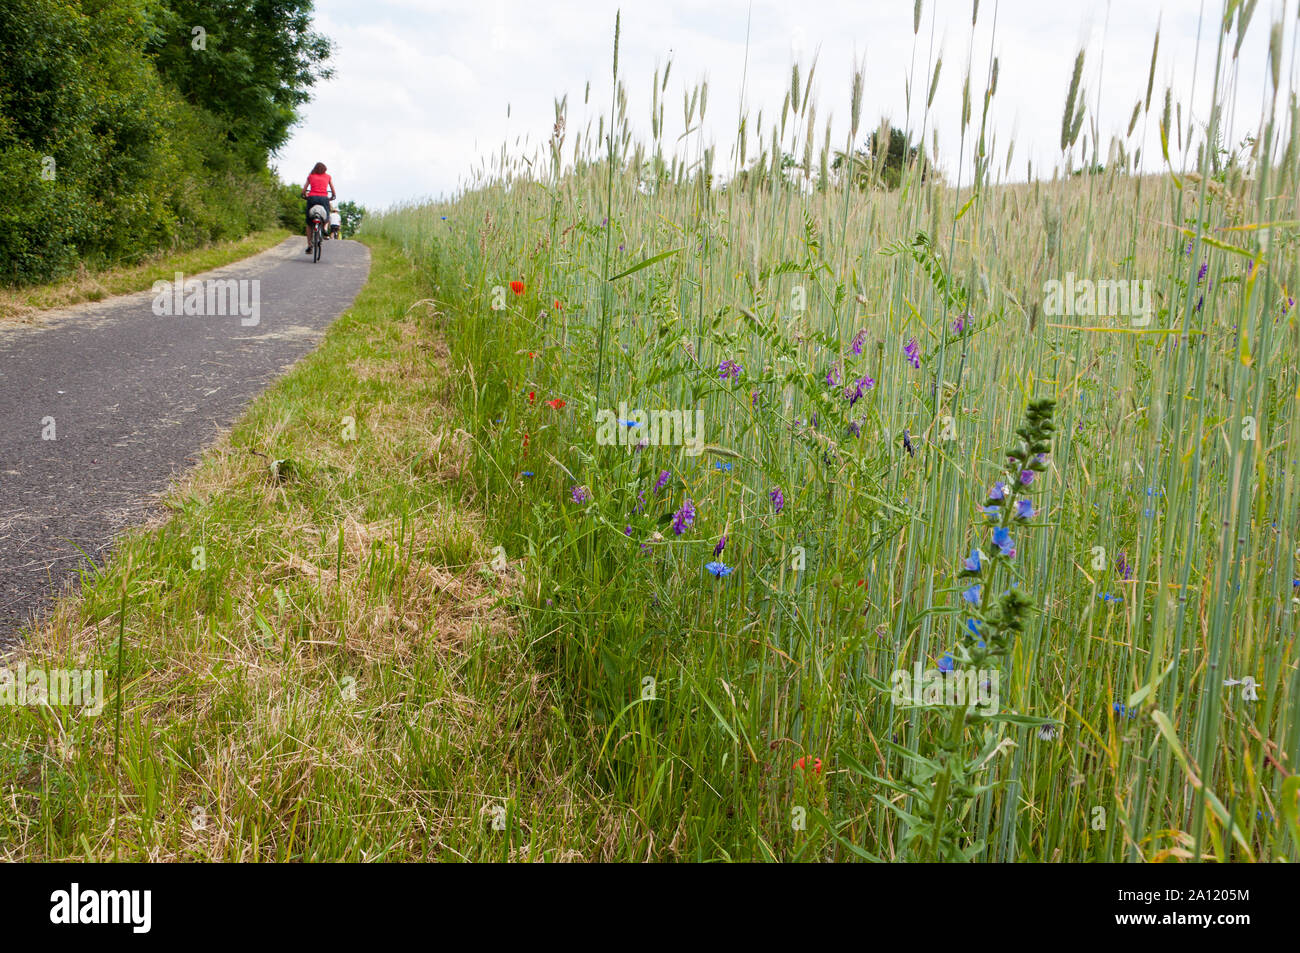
{"x":132,"y":398}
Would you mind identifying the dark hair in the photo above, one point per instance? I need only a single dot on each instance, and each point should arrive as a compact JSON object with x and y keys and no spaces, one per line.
{"x":318,"y":168}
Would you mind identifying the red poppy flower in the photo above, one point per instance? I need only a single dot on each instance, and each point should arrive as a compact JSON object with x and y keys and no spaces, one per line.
{"x":557,"y":403}
{"x":531,"y":355}
{"x":517,"y":287}
{"x":816,"y":765}
{"x":532,"y":395}
{"x":558,"y":306}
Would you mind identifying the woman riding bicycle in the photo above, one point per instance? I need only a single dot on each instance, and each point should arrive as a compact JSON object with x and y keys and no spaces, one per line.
{"x":319,"y":190}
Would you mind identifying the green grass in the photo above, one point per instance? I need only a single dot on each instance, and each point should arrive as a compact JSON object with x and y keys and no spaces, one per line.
{"x":340,"y":676}
{"x":19,"y":303}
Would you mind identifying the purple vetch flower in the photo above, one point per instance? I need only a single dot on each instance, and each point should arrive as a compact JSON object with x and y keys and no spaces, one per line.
{"x":662,"y":481}
{"x":729,"y":369}
{"x":959,"y":325}
{"x":753,"y":400}
{"x":627,"y":530}
{"x":580,"y":494}
{"x":777,"y":498}
{"x":859,"y":340}
{"x":684,"y":517}
{"x":1288,"y":304}
{"x":833,"y":375}
{"x":907,"y":442}
{"x":1024,"y":509}
{"x":913,"y":352}
{"x":1122,"y":566}
{"x":1200,"y":275}
{"x":855,"y":428}
{"x":722,"y":544}
{"x":859,"y":387}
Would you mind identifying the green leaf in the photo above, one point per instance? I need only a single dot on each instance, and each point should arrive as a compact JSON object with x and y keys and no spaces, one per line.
{"x":646,"y":263}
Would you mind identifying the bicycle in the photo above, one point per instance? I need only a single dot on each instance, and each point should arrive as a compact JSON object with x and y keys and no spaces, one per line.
{"x":316,"y":236}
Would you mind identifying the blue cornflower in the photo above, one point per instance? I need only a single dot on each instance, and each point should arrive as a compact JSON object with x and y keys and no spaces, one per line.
{"x":972,"y":595}
{"x":972,"y":564}
{"x":1125,"y":711}
{"x":718,"y":569}
{"x":721,"y":465}
{"x":1003,"y":541}
{"x":945,"y":663}
{"x":527,"y":473}
{"x":1107,"y":597}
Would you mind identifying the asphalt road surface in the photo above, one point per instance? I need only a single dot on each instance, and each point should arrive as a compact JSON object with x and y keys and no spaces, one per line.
{"x":103,"y":405}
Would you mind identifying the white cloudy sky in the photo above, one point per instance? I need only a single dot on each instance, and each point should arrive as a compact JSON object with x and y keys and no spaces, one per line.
{"x":422,"y":87}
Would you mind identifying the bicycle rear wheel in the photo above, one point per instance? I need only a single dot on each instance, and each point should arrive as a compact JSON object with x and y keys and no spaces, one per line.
{"x":315,"y":244}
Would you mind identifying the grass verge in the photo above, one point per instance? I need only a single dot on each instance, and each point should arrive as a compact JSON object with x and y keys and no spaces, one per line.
{"x":313,"y":655}
{"x":18,"y":303}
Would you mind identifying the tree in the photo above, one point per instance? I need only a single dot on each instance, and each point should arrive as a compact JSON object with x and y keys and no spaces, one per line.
{"x":351,"y":215}
{"x":881,"y":162}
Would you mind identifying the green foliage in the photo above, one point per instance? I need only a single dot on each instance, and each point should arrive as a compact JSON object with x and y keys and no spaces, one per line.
{"x":105,"y":154}
{"x":351,"y":213}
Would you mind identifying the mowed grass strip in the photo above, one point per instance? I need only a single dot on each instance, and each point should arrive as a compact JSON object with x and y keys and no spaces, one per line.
{"x":318,"y":661}
{"x":17,"y":304}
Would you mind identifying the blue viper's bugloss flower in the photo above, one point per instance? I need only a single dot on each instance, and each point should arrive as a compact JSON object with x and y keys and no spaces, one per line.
{"x":972,"y":594}
{"x":1024,"y":509}
{"x":945,"y":663}
{"x":999,"y":491}
{"x":912,"y":351}
{"x":972,"y":563}
{"x":1026,"y":477}
{"x":718,"y":569}
{"x":684,"y":517}
{"x":1003,"y":541}
{"x":974,"y":626}
{"x":777,"y":498}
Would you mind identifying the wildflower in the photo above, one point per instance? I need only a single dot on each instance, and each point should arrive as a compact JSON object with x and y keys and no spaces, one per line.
{"x":907,"y":442}
{"x":1124,"y":710}
{"x":517,"y":287}
{"x":860,"y":387}
{"x":722,"y":544}
{"x":860,"y":339}
{"x":1107,"y":597}
{"x":946,"y":663}
{"x":972,"y":595}
{"x":833,"y":375}
{"x":1122,"y":567}
{"x":627,"y":530}
{"x":1024,"y":509}
{"x":802,"y":765}
{"x":1288,"y":304}
{"x":1047,"y":732}
{"x":855,"y":428}
{"x":722,"y":465}
{"x":558,"y":306}
{"x":720,"y":570}
{"x":532,"y":396}
{"x":1200,"y":275}
{"x":777,"y":498}
{"x":753,"y":400}
{"x":662,"y":481}
{"x":557,"y":403}
{"x":913,"y":352}
{"x":1026,"y":477}
{"x":972,"y":563}
{"x":999,"y":491}
{"x":974,"y":626}
{"x":527,"y":473}
{"x":1003,"y":541}
{"x":729,"y":369}
{"x":580,"y":494}
{"x":959,"y":325}
{"x":684,"y":517}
